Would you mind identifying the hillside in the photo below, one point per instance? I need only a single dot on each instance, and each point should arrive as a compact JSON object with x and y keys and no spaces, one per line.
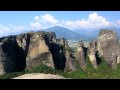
{"x":91,"y":34}
{"x":64,"y":32}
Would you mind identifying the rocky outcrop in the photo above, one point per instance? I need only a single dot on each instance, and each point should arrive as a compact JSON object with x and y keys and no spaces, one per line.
{"x":62,"y":56}
{"x":11,"y":56}
{"x":28,"y":50}
{"x":92,"y":53}
{"x":81,"y":55}
{"x":46,"y":49}
{"x":38,"y":51}
{"x":108,"y":47}
{"x":69,"y":58}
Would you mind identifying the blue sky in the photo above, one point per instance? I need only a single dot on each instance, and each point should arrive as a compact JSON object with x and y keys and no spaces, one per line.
{"x":12,"y":22}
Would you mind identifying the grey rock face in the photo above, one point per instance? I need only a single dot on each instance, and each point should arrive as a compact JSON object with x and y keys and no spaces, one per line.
{"x":28,"y":50}
{"x":7,"y":55}
{"x":46,"y":49}
{"x":108,"y":47}
{"x":92,"y":53}
{"x":62,"y":56}
{"x":23,"y":42}
{"x":69,"y":58}
{"x":81,"y":55}
{"x":38,"y":51}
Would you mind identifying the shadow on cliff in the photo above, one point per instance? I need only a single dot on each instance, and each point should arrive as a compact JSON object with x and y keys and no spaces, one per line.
{"x":58,"y":56}
{"x":20,"y":59}
{"x":85,"y":53}
{"x":21,"y":55}
{"x":98,"y":59}
{"x":14,"y":57}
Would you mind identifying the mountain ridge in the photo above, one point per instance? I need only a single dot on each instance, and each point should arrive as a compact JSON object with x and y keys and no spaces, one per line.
{"x":64,"y":32}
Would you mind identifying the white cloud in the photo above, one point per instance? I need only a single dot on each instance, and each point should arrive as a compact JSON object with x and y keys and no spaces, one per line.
{"x":35,"y":25}
{"x":43,"y":21}
{"x":93,"y":21}
{"x":36,"y":18}
{"x":4,"y":30}
{"x":47,"y":18}
{"x":98,"y":20}
{"x":9,"y":30}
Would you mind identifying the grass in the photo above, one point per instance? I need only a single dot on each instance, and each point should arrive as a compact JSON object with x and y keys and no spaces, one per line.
{"x":103,"y":72}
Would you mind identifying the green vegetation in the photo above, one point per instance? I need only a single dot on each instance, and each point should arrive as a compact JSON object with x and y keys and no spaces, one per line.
{"x":11,"y":75}
{"x":103,"y":72}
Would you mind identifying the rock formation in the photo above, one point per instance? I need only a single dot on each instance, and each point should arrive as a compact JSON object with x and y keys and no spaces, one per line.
{"x":38,"y":51}
{"x":108,"y":47}
{"x":81,"y":55}
{"x":10,"y":55}
{"x":69,"y":58}
{"x":92,"y":53}
{"x":27,"y":50}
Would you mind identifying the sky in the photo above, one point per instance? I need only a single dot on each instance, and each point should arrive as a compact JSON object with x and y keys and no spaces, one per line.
{"x":14,"y":22}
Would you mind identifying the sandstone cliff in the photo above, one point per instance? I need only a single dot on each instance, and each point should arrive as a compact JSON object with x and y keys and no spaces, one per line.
{"x":28,"y":50}
{"x":106,"y":46}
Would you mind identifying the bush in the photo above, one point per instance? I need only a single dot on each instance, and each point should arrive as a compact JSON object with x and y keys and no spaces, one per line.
{"x":38,"y":69}
{"x":103,"y":72}
{"x":11,"y":75}
{"x":42,"y":69}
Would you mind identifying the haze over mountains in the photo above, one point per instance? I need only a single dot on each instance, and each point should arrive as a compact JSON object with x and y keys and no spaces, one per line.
{"x":84,"y":34}
{"x":77,"y":34}
{"x":64,"y":32}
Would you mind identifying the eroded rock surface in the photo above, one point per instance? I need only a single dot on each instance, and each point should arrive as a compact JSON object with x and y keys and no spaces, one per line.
{"x":28,"y":50}
{"x":92,"y":53}
{"x":81,"y":55}
{"x":108,"y":47}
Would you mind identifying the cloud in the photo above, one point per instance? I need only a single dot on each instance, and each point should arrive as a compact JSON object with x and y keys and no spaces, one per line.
{"x":4,"y":30}
{"x":9,"y":30}
{"x":35,"y":25}
{"x":36,"y":18}
{"x":47,"y":18}
{"x":93,"y":21}
{"x":43,"y":21}
{"x":99,"y":21}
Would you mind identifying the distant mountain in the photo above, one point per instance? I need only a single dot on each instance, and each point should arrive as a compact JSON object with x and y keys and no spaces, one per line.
{"x":78,"y":34}
{"x":92,"y":34}
{"x":89,"y":34}
{"x":64,"y":32}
